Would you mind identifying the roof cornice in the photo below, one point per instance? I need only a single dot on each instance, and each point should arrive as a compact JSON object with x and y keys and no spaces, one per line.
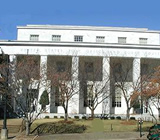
{"x":93,"y":28}
{"x":79,"y":44}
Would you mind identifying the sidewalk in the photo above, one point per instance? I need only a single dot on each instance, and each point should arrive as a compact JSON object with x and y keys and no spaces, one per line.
{"x":83,"y":136}
{"x":20,"y":136}
{"x":95,"y":136}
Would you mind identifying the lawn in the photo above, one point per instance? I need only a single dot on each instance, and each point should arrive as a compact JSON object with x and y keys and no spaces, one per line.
{"x":13,"y":125}
{"x":96,"y":125}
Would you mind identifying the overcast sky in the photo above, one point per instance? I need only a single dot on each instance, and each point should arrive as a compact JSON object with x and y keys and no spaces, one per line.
{"x":116,"y":13}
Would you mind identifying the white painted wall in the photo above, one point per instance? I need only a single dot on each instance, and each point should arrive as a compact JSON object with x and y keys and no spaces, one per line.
{"x":67,"y":35}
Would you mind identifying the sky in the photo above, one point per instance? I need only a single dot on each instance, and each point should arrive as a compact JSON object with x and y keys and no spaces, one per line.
{"x":112,"y":13}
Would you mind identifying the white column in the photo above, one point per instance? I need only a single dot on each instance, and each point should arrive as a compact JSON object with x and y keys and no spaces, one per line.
{"x":136,"y":74}
{"x":13,"y":61}
{"x":74,"y":102}
{"x":43,"y":75}
{"x":136,"y":70}
{"x":12,"y":66}
{"x":106,"y":82}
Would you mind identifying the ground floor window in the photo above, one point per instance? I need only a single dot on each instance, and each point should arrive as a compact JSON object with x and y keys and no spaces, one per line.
{"x":89,"y":95}
{"x":58,"y":101}
{"x":117,"y":98}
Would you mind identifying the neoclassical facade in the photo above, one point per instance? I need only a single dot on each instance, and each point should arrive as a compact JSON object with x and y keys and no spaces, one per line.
{"x":87,"y":48}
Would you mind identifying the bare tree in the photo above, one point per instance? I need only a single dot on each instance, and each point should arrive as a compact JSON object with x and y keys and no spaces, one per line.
{"x":150,"y":93}
{"x":95,"y":81}
{"x":124,"y":85}
{"x":63,"y":80}
{"x":25,"y":85}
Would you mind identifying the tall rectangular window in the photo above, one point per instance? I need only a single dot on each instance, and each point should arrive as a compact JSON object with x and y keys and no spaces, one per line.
{"x":117,"y":100}
{"x":34,"y":37}
{"x":89,"y":95}
{"x":58,"y":99}
{"x":143,"y":40}
{"x":100,"y":39}
{"x":60,"y":93}
{"x":122,"y":40}
{"x":56,"y":38}
{"x":78,"y":38}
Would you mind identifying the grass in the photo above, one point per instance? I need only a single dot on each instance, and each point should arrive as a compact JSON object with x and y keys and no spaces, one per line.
{"x":95,"y":125}
{"x":113,"y":125}
{"x":12,"y":122}
{"x":98,"y":125}
{"x":122,"y":125}
{"x":13,"y":125}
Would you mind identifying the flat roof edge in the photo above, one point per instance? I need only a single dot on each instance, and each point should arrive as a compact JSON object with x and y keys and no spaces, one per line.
{"x":72,"y":27}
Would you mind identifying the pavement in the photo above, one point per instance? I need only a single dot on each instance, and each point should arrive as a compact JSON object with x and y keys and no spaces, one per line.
{"x":82,"y":136}
{"x":95,"y":136}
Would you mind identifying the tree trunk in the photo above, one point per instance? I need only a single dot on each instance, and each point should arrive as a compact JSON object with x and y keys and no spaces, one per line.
{"x":27,"y":128}
{"x":128,"y":114}
{"x":159,"y":114}
{"x":66,"y":115}
{"x":92,"y":113}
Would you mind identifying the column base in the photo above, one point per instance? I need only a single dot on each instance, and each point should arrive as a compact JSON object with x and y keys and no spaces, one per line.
{"x":4,"y":134}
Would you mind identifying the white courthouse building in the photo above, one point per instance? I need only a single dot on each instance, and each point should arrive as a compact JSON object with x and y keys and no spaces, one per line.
{"x":81,"y":45}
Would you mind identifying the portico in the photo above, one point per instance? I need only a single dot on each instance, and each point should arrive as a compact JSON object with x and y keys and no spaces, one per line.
{"x":76,"y":57}
{"x":95,"y":54}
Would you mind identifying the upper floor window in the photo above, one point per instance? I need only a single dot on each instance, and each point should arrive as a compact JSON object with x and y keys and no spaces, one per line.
{"x":122,"y":40}
{"x":78,"y":38}
{"x":61,"y":66}
{"x":144,"y":69}
{"x":117,"y":68}
{"x":56,"y":38}
{"x":89,"y":67}
{"x":34,"y":37}
{"x":100,"y":39}
{"x":143,"y":40}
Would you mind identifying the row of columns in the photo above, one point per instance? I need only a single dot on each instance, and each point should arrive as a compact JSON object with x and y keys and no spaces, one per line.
{"x":106,"y":105}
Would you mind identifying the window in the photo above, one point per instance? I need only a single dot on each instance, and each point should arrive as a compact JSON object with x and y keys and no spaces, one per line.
{"x":61,"y":66}
{"x":31,"y":96}
{"x":58,"y":100}
{"x":117,"y":100}
{"x":89,"y":95}
{"x":34,"y":37}
{"x":143,"y":40}
{"x":78,"y":38}
{"x":89,"y":67}
{"x":56,"y":38}
{"x":144,"y":69}
{"x":145,"y":107}
{"x":33,"y":93}
{"x":100,"y":39}
{"x":61,"y":92}
{"x":117,"y":68}
{"x":122,"y":40}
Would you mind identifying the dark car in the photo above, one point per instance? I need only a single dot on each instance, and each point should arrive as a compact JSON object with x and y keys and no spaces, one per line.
{"x":154,"y":132}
